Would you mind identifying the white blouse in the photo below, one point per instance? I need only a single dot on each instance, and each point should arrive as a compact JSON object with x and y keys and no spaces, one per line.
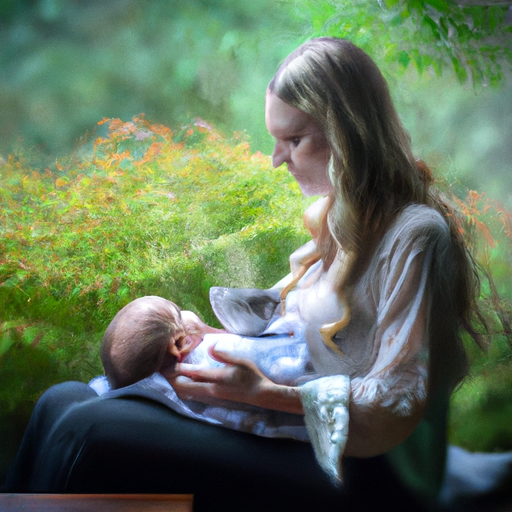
{"x":385,"y":345}
{"x":384,"y":349}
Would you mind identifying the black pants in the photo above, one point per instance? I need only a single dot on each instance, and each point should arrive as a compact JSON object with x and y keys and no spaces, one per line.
{"x":77,"y":442}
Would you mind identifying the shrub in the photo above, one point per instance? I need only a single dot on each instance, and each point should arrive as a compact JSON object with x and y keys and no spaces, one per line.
{"x":148,"y":211}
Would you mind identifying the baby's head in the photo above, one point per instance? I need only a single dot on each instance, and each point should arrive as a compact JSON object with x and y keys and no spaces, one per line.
{"x":147,"y":335}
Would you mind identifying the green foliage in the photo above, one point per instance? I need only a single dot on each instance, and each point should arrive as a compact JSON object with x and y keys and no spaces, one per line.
{"x":149,"y":212}
{"x":481,"y":408}
{"x":462,"y":133}
{"x":432,"y":35}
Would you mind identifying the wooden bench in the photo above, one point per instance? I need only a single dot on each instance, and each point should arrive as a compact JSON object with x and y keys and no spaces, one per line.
{"x":95,"y":502}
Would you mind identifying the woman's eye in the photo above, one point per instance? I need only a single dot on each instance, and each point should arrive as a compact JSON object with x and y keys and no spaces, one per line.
{"x":295,"y":141}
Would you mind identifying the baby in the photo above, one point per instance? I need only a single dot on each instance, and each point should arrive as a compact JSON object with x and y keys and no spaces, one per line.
{"x":151,"y":334}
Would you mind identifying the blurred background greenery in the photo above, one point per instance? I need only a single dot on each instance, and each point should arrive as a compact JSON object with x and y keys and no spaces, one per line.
{"x":65,"y":65}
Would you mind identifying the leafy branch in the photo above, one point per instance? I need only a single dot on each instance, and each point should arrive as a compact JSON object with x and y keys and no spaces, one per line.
{"x":473,"y":41}
{"x":487,"y":225}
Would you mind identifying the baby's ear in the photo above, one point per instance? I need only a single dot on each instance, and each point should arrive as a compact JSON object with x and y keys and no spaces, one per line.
{"x":174,"y":346}
{"x":179,"y":346}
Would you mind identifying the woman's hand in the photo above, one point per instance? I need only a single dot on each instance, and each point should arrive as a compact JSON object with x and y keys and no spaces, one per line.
{"x":239,"y":381}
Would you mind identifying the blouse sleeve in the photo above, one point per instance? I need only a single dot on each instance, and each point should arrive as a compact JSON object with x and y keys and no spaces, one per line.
{"x":401,"y":289}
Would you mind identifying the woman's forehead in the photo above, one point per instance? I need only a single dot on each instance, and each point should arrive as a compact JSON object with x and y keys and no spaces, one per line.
{"x":283,"y":119}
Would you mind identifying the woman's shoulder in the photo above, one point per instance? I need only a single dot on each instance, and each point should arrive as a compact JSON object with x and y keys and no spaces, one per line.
{"x":418,"y":224}
{"x":420,"y":217}
{"x":421,"y":214}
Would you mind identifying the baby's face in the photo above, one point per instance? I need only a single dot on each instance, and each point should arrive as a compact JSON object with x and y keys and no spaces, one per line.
{"x":195,"y":328}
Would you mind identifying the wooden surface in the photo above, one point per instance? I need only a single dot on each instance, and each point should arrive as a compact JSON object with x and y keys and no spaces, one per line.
{"x":96,"y":502}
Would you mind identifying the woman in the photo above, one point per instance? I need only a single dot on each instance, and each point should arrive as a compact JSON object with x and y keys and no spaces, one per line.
{"x":383,"y":306}
{"x":392,"y":258}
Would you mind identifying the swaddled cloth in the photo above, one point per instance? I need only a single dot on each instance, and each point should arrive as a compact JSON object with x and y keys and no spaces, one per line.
{"x":282,"y":357}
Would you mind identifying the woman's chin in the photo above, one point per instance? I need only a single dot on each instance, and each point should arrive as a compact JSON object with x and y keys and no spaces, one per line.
{"x":308,"y":191}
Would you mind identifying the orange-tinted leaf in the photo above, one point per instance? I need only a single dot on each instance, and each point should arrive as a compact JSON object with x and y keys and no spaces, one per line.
{"x":484,"y":231}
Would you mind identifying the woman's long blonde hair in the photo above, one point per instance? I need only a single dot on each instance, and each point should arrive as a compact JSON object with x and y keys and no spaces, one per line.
{"x":372,"y":169}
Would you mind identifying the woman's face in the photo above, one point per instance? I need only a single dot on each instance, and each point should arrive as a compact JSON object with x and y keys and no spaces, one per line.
{"x":301,"y":143}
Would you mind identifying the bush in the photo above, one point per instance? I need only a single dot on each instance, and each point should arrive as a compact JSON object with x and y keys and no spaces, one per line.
{"x":149,"y":211}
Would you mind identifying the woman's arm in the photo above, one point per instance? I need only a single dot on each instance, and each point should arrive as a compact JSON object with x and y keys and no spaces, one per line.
{"x":372,"y":431}
{"x":239,"y":381}
{"x":389,"y":401}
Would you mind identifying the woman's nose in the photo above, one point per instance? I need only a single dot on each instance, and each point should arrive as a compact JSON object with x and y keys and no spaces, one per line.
{"x":279,"y":155}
